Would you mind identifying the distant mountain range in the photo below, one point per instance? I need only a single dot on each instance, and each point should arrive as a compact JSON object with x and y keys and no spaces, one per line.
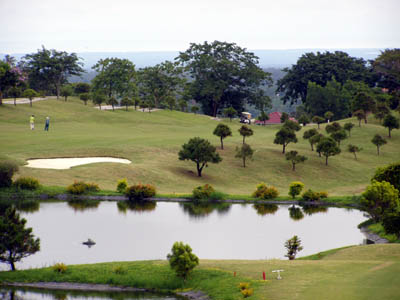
{"x":268,"y":58}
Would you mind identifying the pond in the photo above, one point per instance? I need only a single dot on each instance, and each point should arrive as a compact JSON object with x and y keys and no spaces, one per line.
{"x":8,"y":293}
{"x":147,"y":231}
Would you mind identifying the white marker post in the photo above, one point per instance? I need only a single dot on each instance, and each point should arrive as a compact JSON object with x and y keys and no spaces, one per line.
{"x":279,"y":273}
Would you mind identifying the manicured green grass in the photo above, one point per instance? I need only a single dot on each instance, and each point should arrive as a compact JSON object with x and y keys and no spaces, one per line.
{"x":152,"y":140}
{"x":349,"y":273}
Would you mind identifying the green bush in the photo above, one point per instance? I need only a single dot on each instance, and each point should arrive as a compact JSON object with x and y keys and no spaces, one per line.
{"x":203,"y":192}
{"x":118,"y":270}
{"x":60,"y":268}
{"x":247,"y":293}
{"x":295,"y":188}
{"x":182,"y":260}
{"x":26,"y":183}
{"x":80,"y":187}
{"x":390,"y":173}
{"x":140,"y":191}
{"x":122,"y":184}
{"x":264,"y":192}
{"x":312,"y":196}
{"x":7,"y":170}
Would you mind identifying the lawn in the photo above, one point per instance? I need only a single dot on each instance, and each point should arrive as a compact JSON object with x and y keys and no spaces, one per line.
{"x":353,"y":273}
{"x":152,"y":141}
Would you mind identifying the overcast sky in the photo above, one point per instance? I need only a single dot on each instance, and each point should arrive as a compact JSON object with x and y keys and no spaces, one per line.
{"x":158,"y":25}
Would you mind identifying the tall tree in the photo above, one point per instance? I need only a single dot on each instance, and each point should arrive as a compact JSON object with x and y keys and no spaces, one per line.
{"x":354,"y":149}
{"x":294,"y":157}
{"x":229,"y":112}
{"x":364,"y":102}
{"x":243,"y":153}
{"x":318,"y":120}
{"x":387,"y":66}
{"x":224,"y":75}
{"x":245,"y":131}
{"x":199,"y":151}
{"x":30,"y":94}
{"x":51,"y":67}
{"x":321,"y":68}
{"x":328,"y":147}
{"x":16,"y":241}
{"x":391,"y":122}
{"x":339,"y":136}
{"x":348,"y":127}
{"x":378,"y":141}
{"x":285,"y":136}
{"x":66,"y":91}
{"x":161,"y":81}
{"x":263,"y":117}
{"x":360,"y":115}
{"x":126,"y":101}
{"x":115,"y":77}
{"x":8,"y":78}
{"x":308,"y":134}
{"x":223,"y":132}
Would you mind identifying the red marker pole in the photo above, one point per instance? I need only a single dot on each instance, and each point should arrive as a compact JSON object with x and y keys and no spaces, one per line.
{"x":264,"y":275}
{"x":234,"y":274}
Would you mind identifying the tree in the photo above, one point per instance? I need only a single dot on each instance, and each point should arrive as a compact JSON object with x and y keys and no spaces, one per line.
{"x":230,"y":113}
{"x":112,"y":101}
{"x":308,"y":134}
{"x":295,"y":158}
{"x":161,"y":82}
{"x":293,"y":246}
{"x":315,"y":139}
{"x":171,"y":102}
{"x":7,"y":170}
{"x":222,"y":131}
{"x":363,"y":101}
{"x":66,"y":91}
{"x":285,"y":136}
{"x":284,"y":117}
{"x":353,"y":149}
{"x":263,"y":117}
{"x":318,"y":120}
{"x":51,"y":67}
{"x":348,"y":127}
{"x":304,"y":119}
{"x":391,"y":122}
{"x":321,"y":68}
{"x":182,"y":104}
{"x":199,"y":151}
{"x":295,"y":188}
{"x":30,"y":94}
{"x":98,"y":99}
{"x":194,"y":109}
{"x":360,"y":114}
{"x":81,"y":88}
{"x":387,"y":66}
{"x":136,"y":102}
{"x":391,"y":224}
{"x":328,"y":147}
{"x":292,"y":125}
{"x":85,"y":97}
{"x":381,"y":111}
{"x":126,"y":101}
{"x":333,"y":127}
{"x":115,"y":77}
{"x":245,"y":131}
{"x":328,"y":115}
{"x":8,"y":77}
{"x":16,"y":241}
{"x":380,"y":199}
{"x":224,"y":75}
{"x":244,"y":152}
{"x":339,"y":136}
{"x":15,"y":92}
{"x":390,"y":173}
{"x":378,"y":141}
{"x":182,"y":260}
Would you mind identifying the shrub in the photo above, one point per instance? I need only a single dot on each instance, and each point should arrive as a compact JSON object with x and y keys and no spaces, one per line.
{"x":60,"y":268}
{"x":264,"y":192}
{"x":7,"y":170}
{"x":182,"y":260}
{"x":310,"y":195}
{"x":140,"y":191}
{"x":295,"y":188}
{"x":203,"y":192}
{"x":244,"y":286}
{"x":26,"y":183}
{"x":247,"y":293}
{"x":390,"y":173}
{"x":80,"y":187}
{"x":122,"y":184}
{"x":118,"y":270}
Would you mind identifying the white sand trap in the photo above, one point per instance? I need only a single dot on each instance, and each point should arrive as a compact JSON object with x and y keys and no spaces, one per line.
{"x":67,"y":163}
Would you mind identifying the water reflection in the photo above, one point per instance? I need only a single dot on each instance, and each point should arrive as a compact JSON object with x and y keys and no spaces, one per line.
{"x":83,"y":204}
{"x":24,"y":205}
{"x":313,"y":209}
{"x":141,"y":206}
{"x":295,"y":213}
{"x":203,"y":209}
{"x":7,"y":293}
{"x":265,"y":209}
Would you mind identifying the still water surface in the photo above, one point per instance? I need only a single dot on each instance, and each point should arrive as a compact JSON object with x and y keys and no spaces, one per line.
{"x":39,"y":294}
{"x":145,"y":232}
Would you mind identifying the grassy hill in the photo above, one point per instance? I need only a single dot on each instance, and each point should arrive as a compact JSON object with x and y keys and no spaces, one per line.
{"x":354,"y":273}
{"x":152,"y":140}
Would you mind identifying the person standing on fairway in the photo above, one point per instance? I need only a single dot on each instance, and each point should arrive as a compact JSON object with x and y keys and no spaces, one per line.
{"x":32,"y":122}
{"x":46,"y":125}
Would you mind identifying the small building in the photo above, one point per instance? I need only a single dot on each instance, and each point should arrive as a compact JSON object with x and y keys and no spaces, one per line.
{"x":274,"y":118}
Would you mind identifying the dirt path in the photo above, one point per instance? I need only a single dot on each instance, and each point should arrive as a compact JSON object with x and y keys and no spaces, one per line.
{"x":26,"y":100}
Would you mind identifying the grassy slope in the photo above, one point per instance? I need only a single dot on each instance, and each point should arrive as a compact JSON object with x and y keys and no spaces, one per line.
{"x":152,"y":142}
{"x":361,"y":272}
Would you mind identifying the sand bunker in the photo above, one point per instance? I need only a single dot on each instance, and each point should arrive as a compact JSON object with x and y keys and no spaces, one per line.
{"x":67,"y":163}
